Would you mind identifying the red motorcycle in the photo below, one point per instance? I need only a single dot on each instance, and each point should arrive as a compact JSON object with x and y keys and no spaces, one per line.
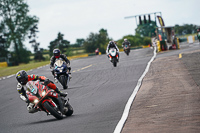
{"x":45,"y":99}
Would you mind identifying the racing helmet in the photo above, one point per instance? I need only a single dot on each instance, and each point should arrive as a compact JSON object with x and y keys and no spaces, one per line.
{"x":125,"y":40}
{"x":22,"y":77}
{"x":112,"y":44}
{"x":56,"y":53}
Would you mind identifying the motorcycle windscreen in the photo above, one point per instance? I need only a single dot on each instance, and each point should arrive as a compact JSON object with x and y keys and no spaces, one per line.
{"x":31,"y":87}
{"x":59,"y":66}
{"x":58,"y":63}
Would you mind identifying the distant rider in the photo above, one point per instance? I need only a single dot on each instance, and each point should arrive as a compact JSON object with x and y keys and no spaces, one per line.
{"x":198,"y":34}
{"x":57,"y":55}
{"x":126,"y":42}
{"x":97,"y":51}
{"x":22,"y":78}
{"x":112,"y":44}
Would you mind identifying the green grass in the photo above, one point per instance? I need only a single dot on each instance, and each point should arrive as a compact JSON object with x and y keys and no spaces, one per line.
{"x":78,"y":51}
{"x":5,"y":71}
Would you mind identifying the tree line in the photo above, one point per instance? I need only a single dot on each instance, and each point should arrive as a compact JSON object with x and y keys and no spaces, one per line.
{"x":185,"y":29}
{"x":16,"y":26}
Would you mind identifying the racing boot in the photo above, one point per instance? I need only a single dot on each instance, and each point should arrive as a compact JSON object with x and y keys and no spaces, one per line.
{"x":59,"y":92}
{"x":70,"y":76}
{"x":55,"y":80}
{"x":54,"y":75}
{"x":69,"y":73}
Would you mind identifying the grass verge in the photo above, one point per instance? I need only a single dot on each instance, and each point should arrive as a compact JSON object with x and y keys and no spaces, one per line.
{"x":5,"y":71}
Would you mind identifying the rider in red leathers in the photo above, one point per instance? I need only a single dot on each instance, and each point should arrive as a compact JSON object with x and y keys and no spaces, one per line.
{"x":22,"y":78}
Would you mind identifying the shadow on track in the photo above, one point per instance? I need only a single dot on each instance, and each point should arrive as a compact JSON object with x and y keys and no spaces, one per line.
{"x":43,"y":121}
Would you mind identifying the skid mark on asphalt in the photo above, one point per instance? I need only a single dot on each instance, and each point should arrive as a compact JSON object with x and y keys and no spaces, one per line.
{"x":82,"y":68}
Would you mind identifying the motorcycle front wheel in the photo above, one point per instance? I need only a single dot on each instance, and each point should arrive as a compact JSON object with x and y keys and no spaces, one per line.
{"x":52,"y":110}
{"x":69,"y":109}
{"x":127,"y":53}
{"x":115,"y":62}
{"x":63,"y":81}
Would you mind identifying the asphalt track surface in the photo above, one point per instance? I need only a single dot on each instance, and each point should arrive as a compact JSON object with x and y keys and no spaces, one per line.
{"x":98,"y":93}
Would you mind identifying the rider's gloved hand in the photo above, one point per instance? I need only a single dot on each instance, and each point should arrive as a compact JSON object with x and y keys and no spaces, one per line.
{"x":23,"y":98}
{"x":47,"y":81}
{"x":27,"y":101}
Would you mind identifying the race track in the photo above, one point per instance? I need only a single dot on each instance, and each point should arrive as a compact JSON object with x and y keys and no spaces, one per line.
{"x":98,"y":93}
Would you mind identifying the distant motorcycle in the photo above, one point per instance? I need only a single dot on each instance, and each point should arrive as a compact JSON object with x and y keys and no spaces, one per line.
{"x":42,"y":98}
{"x":61,"y":73}
{"x":127,"y":49}
{"x":113,"y":56}
{"x":97,"y":51}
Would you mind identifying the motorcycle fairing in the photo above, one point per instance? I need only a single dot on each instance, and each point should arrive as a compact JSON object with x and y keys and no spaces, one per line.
{"x":112,"y":52}
{"x":60,"y":67}
{"x":35,"y":90}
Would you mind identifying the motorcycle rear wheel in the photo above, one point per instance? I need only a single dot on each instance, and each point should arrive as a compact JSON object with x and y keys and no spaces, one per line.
{"x":53,"y":111}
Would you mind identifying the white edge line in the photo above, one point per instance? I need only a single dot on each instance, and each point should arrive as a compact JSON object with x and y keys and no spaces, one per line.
{"x":10,"y":76}
{"x":122,"y":121}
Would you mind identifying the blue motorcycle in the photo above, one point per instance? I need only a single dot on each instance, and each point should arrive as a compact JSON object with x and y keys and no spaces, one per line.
{"x":61,"y":73}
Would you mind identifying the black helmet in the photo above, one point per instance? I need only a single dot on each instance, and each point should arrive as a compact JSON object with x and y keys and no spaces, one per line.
{"x":22,"y":77}
{"x":56,"y":53}
{"x":112,"y":44}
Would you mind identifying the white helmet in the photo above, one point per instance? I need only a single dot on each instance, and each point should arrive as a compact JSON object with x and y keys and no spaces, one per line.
{"x":125,"y":39}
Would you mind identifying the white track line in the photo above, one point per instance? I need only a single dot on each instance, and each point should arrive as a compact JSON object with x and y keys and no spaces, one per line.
{"x":122,"y":121}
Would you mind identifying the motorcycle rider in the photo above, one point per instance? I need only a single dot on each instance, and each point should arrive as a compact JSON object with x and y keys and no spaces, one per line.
{"x":126,"y":42}
{"x":198,"y":34}
{"x":57,"y":55}
{"x":112,"y":44}
{"x":22,"y":78}
{"x":97,"y":51}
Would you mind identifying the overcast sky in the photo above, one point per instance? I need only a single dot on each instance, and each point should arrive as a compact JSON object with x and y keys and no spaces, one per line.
{"x":78,"y":18}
